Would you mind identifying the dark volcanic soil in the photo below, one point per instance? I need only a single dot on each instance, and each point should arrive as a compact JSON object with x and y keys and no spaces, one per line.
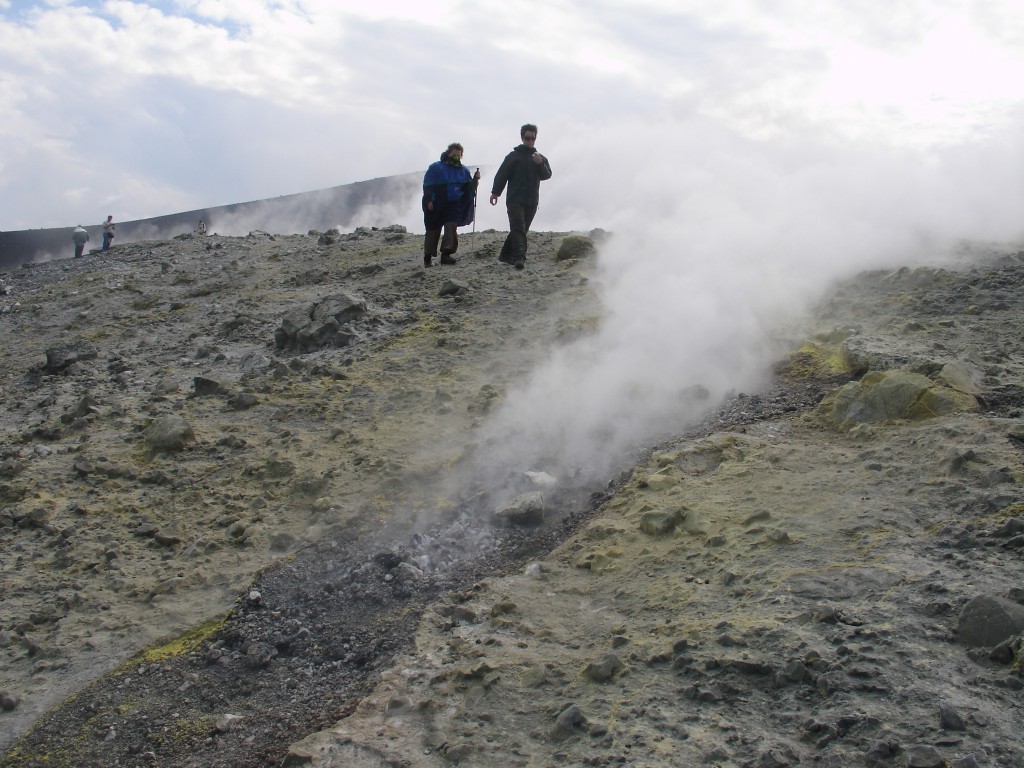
{"x":307,"y":640}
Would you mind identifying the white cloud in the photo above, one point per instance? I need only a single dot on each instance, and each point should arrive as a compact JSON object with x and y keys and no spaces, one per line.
{"x":212,"y":102}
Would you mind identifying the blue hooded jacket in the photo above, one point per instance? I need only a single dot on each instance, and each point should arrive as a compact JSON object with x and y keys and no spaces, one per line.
{"x":451,"y":189}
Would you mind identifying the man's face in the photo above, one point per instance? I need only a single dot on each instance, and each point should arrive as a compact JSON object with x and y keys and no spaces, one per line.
{"x":529,"y":138}
{"x":455,"y":153}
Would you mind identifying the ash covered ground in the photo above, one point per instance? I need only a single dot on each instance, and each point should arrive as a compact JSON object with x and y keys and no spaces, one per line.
{"x":287,"y":585}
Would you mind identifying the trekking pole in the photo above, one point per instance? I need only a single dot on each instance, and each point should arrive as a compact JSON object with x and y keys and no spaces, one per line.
{"x":472,"y":235}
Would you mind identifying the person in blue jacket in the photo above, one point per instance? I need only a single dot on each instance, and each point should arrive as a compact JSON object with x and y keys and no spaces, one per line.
{"x":448,"y":196}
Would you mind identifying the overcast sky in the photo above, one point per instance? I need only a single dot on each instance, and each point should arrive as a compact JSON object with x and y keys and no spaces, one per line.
{"x":139,"y":109}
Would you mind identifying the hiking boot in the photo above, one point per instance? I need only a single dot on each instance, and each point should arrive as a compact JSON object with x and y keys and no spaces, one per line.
{"x":505,"y":259}
{"x":427,"y":262}
{"x":520,"y":264}
{"x":446,"y":258}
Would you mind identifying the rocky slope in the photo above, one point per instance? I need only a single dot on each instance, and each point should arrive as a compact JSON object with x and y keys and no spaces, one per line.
{"x":828,"y":588}
{"x":170,"y":426}
{"x":787,"y":583}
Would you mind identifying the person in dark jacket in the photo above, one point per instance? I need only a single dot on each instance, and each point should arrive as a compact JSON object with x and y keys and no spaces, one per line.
{"x":79,"y":237}
{"x":448,"y":196}
{"x":523,"y":169}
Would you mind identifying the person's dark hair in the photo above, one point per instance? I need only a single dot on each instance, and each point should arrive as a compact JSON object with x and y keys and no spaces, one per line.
{"x":527,"y":127}
{"x":454,"y":145}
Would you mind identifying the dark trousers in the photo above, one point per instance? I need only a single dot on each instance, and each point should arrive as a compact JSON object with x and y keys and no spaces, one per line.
{"x":449,"y":241}
{"x":520,"y":217}
{"x":79,"y":247}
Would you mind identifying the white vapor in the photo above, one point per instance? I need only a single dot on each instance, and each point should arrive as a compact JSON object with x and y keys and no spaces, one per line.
{"x":718,"y":242}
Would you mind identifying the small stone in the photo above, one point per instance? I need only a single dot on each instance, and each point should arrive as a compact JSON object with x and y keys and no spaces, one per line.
{"x":660,"y":481}
{"x":167,"y":537}
{"x":205,"y":387}
{"x":260,"y":655}
{"x":661,"y":522}
{"x":570,"y":721}
{"x":967,"y":761}
{"x":169,"y":433}
{"x":797,"y":672}
{"x":880,"y":751}
{"x":534,"y":676}
{"x":243,"y":401}
{"x":145,"y":530}
{"x":950,"y":719}
{"x":227,"y":723}
{"x":504,"y":608}
{"x":924,"y":756}
{"x":457,"y":753}
{"x":8,"y":701}
{"x":165,"y":587}
{"x":166,"y":386}
{"x":604,"y":669}
{"x":453,"y":288}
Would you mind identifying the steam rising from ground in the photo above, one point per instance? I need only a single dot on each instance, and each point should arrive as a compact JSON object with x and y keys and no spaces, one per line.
{"x":344,"y":208}
{"x":718,"y":243}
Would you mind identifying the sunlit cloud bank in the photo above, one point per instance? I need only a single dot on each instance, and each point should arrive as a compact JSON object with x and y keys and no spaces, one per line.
{"x":141,"y":109}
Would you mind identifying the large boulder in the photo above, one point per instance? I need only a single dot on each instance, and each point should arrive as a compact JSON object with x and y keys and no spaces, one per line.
{"x":341,"y":307}
{"x":59,"y":359}
{"x":575,"y":247}
{"x":525,"y":510}
{"x":888,"y":395}
{"x":169,"y":434}
{"x":313,"y":326}
{"x":963,"y":377}
{"x":988,"y":620}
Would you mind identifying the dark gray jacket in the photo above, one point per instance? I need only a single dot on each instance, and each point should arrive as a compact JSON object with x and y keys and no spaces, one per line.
{"x":522,"y":175}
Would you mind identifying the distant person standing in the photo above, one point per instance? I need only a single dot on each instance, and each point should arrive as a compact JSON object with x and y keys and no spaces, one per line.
{"x":201,"y":227}
{"x":523,"y":169}
{"x":79,"y":237}
{"x":448,"y":195}
{"x":108,"y":232}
